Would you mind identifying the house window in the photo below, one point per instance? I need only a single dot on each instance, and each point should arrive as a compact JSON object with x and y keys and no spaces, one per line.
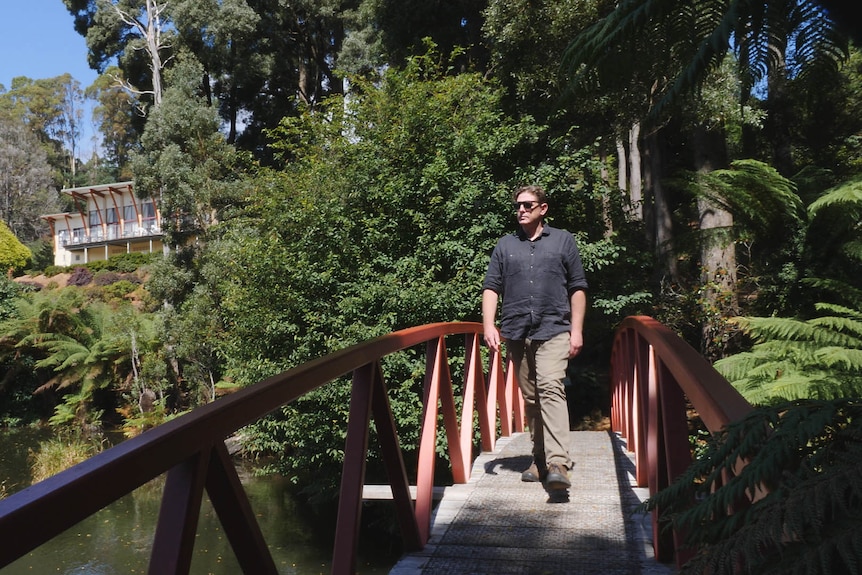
{"x":149,"y":216}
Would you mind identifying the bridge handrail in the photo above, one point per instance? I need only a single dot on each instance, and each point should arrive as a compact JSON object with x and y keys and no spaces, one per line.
{"x":191,"y":450}
{"x":653,"y":371}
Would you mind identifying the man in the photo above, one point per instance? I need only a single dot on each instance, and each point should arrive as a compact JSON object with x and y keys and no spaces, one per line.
{"x":538,"y":273}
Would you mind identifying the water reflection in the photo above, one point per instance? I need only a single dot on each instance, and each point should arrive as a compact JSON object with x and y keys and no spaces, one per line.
{"x":117,"y":539}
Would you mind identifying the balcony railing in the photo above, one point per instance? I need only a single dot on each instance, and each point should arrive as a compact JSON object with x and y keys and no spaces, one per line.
{"x":113,"y":233}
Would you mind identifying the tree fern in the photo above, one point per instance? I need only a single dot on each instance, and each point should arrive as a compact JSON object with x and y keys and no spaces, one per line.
{"x":696,"y":36}
{"x":78,"y":347}
{"x":759,"y":197}
{"x":818,"y":357}
{"x":792,"y":359}
{"x":808,"y":456}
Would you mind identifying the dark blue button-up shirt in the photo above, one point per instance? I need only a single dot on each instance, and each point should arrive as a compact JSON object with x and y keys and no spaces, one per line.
{"x":535,"y":279}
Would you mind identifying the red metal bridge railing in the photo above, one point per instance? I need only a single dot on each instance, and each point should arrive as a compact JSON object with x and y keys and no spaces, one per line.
{"x":653,"y":371}
{"x":192,"y":452}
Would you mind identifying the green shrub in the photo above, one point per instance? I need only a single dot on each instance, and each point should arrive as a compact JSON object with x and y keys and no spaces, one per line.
{"x":14,"y":255}
{"x":123,"y":263}
{"x":119,"y":289}
{"x":52,"y":271}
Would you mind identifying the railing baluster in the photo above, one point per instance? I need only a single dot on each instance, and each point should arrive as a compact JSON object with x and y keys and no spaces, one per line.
{"x":178,"y":517}
{"x":353,"y":471}
{"x":428,"y":440}
{"x":231,"y":504}
{"x":457,"y":458}
{"x":393,"y":459}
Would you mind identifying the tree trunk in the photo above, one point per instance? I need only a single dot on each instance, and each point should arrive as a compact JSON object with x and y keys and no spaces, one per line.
{"x":778,"y":122}
{"x":606,"y":201}
{"x":718,"y":251}
{"x":635,"y":174}
{"x":153,"y":38}
{"x":665,"y":252}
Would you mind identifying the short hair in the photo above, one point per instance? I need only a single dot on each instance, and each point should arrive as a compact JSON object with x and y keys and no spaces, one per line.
{"x":534,"y":189}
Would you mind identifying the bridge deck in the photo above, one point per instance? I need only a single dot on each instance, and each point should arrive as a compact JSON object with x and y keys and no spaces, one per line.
{"x":497,"y":524}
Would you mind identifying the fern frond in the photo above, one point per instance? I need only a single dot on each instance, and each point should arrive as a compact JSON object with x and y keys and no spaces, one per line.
{"x":839,"y":309}
{"x":842,"y":358}
{"x":853,"y":249}
{"x":764,"y":328}
{"x":846,"y":196}
{"x":809,"y":455}
{"x":849,"y":294}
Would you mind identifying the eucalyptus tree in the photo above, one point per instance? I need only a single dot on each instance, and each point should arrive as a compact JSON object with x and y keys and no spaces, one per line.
{"x":26,"y":186}
{"x":184,"y":161}
{"x":224,"y":36}
{"x":134,"y":33}
{"x":52,"y":108}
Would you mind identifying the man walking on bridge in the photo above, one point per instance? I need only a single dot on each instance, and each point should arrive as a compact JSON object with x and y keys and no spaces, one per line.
{"x":538,"y":273}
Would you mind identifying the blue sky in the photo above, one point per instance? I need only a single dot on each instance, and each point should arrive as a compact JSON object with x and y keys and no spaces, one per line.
{"x":38,"y":40}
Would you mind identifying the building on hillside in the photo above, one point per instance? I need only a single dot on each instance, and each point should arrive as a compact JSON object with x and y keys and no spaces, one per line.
{"x":109,"y":219}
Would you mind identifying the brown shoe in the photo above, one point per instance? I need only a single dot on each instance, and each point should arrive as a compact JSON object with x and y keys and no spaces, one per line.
{"x":532,"y":474}
{"x":558,"y":477}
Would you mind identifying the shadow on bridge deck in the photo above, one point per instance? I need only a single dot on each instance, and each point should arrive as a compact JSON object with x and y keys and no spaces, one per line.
{"x":497,"y":524}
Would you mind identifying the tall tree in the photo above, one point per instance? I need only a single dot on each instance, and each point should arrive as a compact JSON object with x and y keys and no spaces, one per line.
{"x":137,"y":34}
{"x":26,"y":187}
{"x":184,"y":161}
{"x":52,"y":109}
{"x":222,"y":35}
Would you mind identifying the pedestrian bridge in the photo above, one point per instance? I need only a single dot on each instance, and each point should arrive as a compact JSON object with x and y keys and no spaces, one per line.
{"x":482,"y":518}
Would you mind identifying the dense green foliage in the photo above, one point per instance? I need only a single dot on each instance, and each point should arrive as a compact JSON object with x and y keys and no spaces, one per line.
{"x":818,"y":353}
{"x":383,"y":218}
{"x":14,"y":256}
{"x":804,"y":460}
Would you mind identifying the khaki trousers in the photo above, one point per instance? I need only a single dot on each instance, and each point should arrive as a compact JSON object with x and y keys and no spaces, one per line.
{"x":540,"y":367}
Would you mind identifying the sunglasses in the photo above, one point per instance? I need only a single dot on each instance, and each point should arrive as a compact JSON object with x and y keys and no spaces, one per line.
{"x":529,"y":206}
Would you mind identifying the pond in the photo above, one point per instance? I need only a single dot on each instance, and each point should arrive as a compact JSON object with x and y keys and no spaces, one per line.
{"x":117,"y":539}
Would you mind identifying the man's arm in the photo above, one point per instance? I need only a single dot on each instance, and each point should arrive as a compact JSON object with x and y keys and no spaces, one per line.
{"x":489,"y":316}
{"x":578,"y":301}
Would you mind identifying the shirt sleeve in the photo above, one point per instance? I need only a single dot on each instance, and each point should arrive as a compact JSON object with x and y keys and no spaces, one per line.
{"x":494,"y":275}
{"x":576,"y":279}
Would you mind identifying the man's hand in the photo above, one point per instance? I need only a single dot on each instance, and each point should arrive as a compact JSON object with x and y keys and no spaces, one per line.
{"x":489,"y":313}
{"x":492,"y":338}
{"x":576,"y":343}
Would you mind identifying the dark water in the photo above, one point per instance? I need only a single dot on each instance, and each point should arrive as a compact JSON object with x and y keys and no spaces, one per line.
{"x":117,"y":539}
